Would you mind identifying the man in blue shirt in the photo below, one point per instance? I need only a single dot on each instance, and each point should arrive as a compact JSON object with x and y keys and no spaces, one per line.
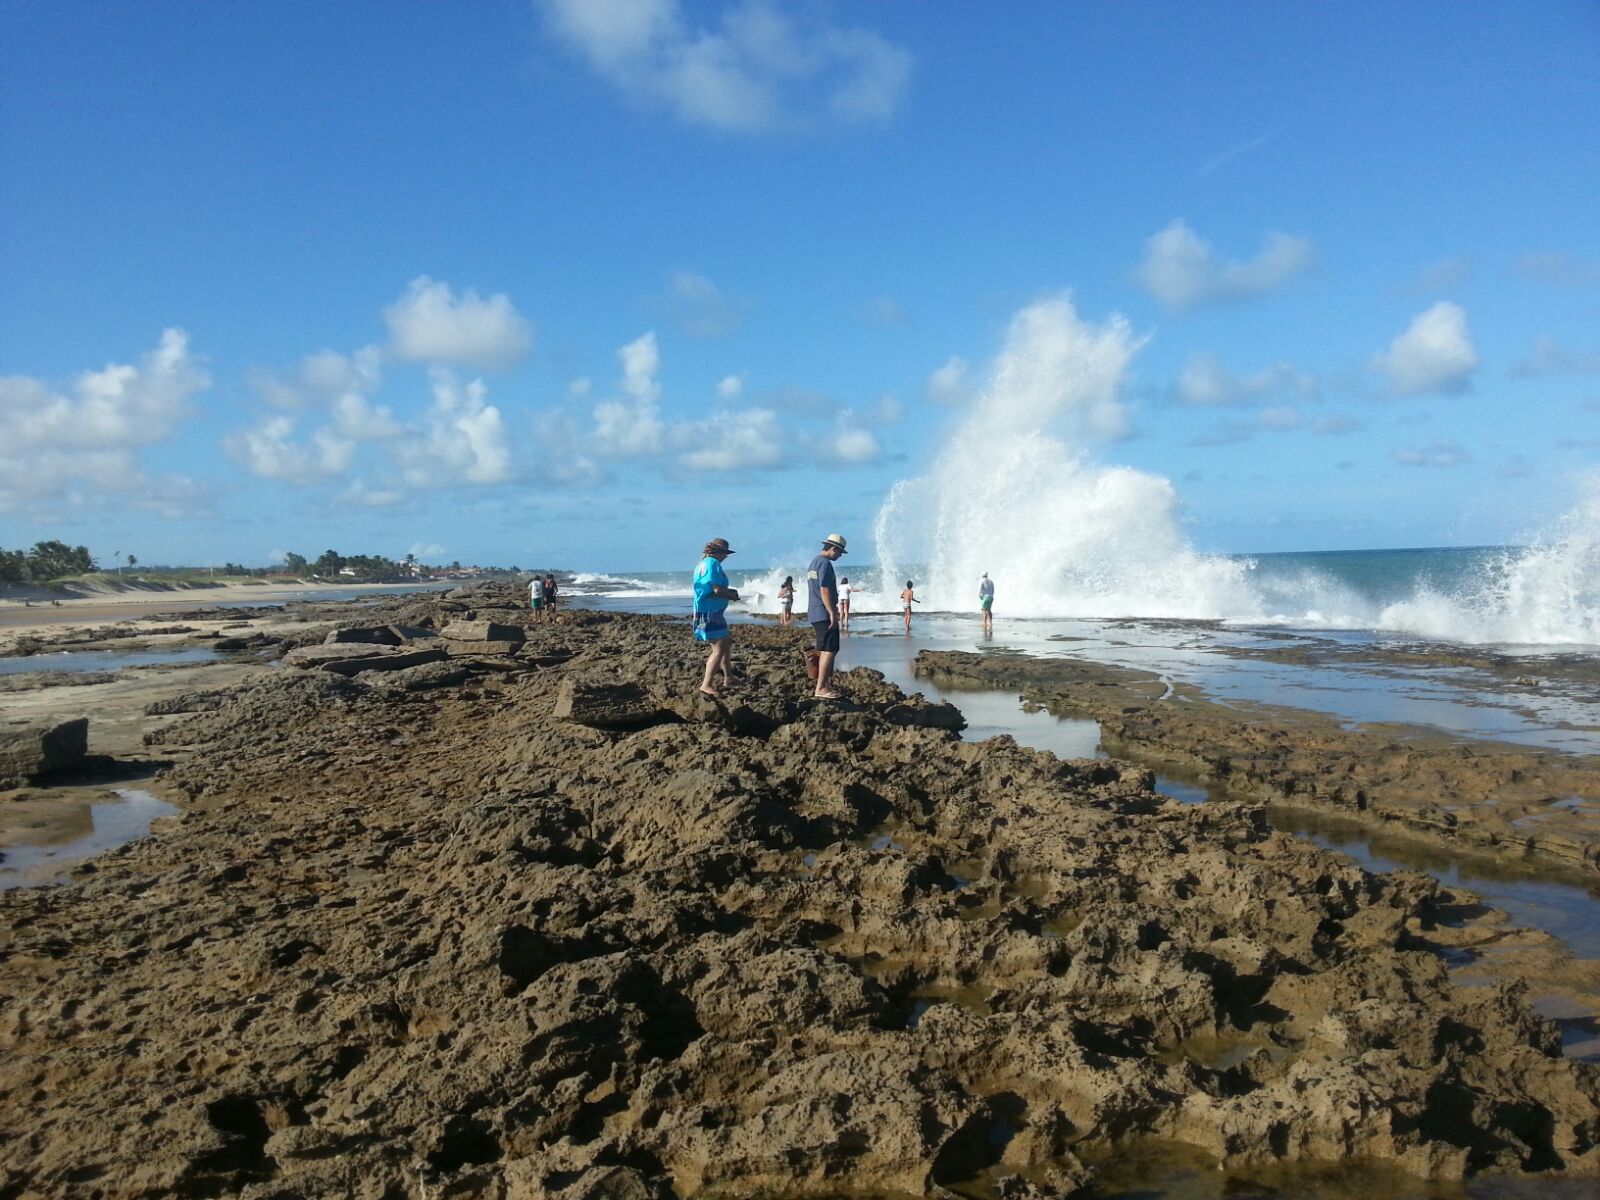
{"x":711,"y":597}
{"x":823,"y":611}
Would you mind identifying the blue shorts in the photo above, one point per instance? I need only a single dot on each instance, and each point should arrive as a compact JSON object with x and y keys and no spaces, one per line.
{"x":711,"y":627}
{"x":827,"y":636}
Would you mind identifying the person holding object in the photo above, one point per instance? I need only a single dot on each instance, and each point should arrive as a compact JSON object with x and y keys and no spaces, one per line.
{"x":711,"y":597}
{"x":986,"y":602}
{"x":823,"y":611}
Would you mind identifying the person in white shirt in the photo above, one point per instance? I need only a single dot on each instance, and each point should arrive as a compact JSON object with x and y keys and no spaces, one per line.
{"x":844,"y":604}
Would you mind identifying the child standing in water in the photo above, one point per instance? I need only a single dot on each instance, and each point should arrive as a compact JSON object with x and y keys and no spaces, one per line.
{"x":907,"y":599}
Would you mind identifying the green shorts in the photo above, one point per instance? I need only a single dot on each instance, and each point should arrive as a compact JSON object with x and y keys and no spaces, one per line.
{"x":538,"y":603}
{"x":986,"y":601}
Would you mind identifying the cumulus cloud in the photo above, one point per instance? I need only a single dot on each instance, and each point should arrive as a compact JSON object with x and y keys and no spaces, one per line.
{"x":632,"y":427}
{"x":853,"y":445}
{"x":749,"y":440}
{"x":1434,"y":355}
{"x":760,"y":67}
{"x":1557,"y":269}
{"x":269,"y":450}
{"x":1205,"y":380}
{"x":730,"y":387}
{"x":77,"y":447}
{"x":1434,"y":454}
{"x":1181,"y":269}
{"x":1550,"y":357}
{"x":430,"y":324}
{"x":699,"y":306}
{"x":359,"y":495}
{"x":463,"y":438}
{"x":948,"y":384}
{"x":320,"y":378}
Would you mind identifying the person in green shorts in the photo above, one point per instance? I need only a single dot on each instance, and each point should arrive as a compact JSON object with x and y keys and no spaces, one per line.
{"x":986,"y":602}
{"x":536,"y":597}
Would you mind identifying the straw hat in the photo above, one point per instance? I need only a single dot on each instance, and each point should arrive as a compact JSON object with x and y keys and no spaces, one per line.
{"x":836,"y":540}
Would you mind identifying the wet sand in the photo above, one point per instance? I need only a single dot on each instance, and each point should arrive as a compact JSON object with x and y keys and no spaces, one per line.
{"x":533,"y":919}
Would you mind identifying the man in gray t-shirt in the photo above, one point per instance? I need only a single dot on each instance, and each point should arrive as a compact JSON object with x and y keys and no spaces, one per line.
{"x":986,"y":602}
{"x":822,"y":610}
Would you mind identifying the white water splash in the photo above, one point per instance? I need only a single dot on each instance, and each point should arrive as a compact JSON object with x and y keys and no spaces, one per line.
{"x":1061,"y":535}
{"x":1014,"y":494}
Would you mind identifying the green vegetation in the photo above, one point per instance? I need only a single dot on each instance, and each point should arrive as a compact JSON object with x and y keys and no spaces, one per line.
{"x":47,"y":560}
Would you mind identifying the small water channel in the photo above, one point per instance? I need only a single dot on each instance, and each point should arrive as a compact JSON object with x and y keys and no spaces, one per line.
{"x":1569,"y":911}
{"x":105,"y":660}
{"x":111,"y":824}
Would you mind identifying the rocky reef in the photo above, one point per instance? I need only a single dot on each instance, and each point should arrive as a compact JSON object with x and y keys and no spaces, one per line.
{"x":539,"y":921}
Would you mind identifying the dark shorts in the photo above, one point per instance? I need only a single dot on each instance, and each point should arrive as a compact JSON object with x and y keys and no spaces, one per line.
{"x":827,"y":637}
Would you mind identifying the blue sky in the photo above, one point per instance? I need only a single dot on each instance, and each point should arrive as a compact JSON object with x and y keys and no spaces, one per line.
{"x":583,"y":283}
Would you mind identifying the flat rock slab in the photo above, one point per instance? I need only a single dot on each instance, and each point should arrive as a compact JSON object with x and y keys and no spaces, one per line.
{"x":370,"y":635}
{"x":604,"y":705}
{"x":27,"y":750}
{"x":392,"y":660}
{"x":482,"y":631}
{"x":316,"y":656}
{"x":457,"y":649}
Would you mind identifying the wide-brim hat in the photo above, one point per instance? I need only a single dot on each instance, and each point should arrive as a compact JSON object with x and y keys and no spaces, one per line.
{"x":718,"y":546}
{"x":836,"y":540}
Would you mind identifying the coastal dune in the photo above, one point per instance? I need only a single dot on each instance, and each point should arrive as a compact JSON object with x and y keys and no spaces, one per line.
{"x":544,"y":923}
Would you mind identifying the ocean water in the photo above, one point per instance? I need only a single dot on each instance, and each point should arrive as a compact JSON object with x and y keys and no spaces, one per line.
{"x":1537,"y":599}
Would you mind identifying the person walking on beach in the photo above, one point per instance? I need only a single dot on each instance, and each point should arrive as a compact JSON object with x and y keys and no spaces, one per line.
{"x":844,"y":603}
{"x":536,"y":597}
{"x":986,"y":602}
{"x":907,"y":599}
{"x":550,"y":595}
{"x":786,"y":598}
{"x":711,"y":597}
{"x":823,"y":611}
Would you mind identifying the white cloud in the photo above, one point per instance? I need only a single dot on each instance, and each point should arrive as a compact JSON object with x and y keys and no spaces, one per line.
{"x":580,"y":387}
{"x":463,"y":438}
{"x":852,"y":444}
{"x":1335,"y":425}
{"x":948,"y":384}
{"x":429,"y":324}
{"x":1434,"y":354}
{"x":360,"y":421}
{"x":760,"y":68}
{"x":1280,"y":418}
{"x":74,"y":449}
{"x":1207,"y":381}
{"x":731,"y":387}
{"x":699,"y":306}
{"x":749,"y":440}
{"x":270,"y":451}
{"x":1182,"y":270}
{"x":1550,"y":357}
{"x":359,"y":495}
{"x":1435,"y":454}
{"x":633,"y":428}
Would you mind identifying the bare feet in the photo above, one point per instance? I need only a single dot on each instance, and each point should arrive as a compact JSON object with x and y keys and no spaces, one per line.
{"x":712,"y":692}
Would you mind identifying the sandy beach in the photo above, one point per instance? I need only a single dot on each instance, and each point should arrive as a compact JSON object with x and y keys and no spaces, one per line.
{"x":513,"y":912}
{"x":87,"y":611}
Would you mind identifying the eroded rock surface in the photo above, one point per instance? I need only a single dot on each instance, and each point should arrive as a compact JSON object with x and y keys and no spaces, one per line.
{"x":449,"y":940}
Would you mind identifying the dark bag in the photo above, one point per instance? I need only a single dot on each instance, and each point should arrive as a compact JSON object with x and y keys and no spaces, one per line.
{"x":813,"y":663}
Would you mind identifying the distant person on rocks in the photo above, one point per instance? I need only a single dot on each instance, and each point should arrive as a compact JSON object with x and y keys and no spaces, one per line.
{"x":986,"y":602}
{"x":711,"y":597}
{"x":823,"y":611}
{"x":844,"y":603}
{"x":536,"y":597}
{"x":550,"y":595}
{"x":786,"y":599}
{"x":907,"y":599}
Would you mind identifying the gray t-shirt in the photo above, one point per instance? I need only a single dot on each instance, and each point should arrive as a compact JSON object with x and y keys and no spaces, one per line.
{"x":986,"y":588}
{"x":818,"y":576}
